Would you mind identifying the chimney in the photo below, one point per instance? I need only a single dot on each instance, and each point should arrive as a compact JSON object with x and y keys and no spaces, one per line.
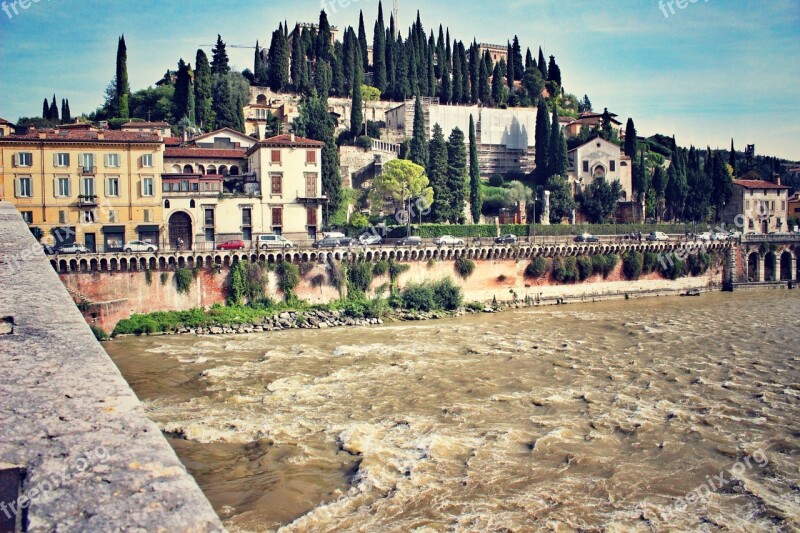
{"x":778,"y":179}
{"x":292,"y":136}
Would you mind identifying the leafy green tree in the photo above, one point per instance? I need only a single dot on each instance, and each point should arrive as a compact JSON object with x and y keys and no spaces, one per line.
{"x":475,"y":198}
{"x":230,"y":92}
{"x":533,"y":84}
{"x":599,"y":200}
{"x":219,"y":58}
{"x":419,"y":139}
{"x":562,"y":201}
{"x":437,"y":174}
{"x":456,"y":175}
{"x":153,"y":103}
{"x":400,"y":180}
{"x":542,"y":140}
{"x":184,"y":93}
{"x":698,"y":199}
{"x":203,"y":92}
{"x":356,"y":113}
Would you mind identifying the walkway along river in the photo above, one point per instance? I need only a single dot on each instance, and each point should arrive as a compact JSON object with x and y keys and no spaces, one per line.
{"x":654,"y":414}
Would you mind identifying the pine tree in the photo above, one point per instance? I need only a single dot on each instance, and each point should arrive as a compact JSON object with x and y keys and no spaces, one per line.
{"x":46,"y":109}
{"x":356,"y":113}
{"x":183,"y":99}
{"x":457,"y":175}
{"x":278,"y":69}
{"x":497,"y":85}
{"x":607,"y":130}
{"x":630,"y":138}
{"x":419,"y":139}
{"x":542,"y":65}
{"x":362,"y":41}
{"x":219,"y":58}
{"x":518,"y":65}
{"x":475,"y":198}
{"x":54,"y":110}
{"x":553,"y":72}
{"x":379,"y":51}
{"x":542,"y":141}
{"x":225,"y":110}
{"x":437,"y":175}
{"x":123,"y":88}
{"x":66,"y":116}
{"x":203,"y":91}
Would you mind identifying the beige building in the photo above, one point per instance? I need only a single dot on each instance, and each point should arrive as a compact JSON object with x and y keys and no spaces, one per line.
{"x":289,"y":169}
{"x":600,"y":159}
{"x":6,"y":128}
{"x":496,"y":51}
{"x":760,"y":205}
{"x":79,"y":184}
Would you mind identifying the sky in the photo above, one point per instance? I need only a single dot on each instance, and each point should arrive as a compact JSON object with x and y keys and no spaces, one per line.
{"x":708,"y":72}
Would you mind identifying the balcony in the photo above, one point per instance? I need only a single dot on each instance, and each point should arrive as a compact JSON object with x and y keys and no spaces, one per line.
{"x":88,"y":171}
{"x":311,"y":198}
{"x":87,"y":200}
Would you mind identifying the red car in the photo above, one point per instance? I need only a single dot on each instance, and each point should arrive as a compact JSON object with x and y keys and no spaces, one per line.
{"x":231,"y":245}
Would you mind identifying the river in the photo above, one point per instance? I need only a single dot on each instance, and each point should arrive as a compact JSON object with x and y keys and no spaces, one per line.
{"x":649,"y":415}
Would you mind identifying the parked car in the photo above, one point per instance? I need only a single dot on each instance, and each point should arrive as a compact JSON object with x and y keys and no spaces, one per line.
{"x":506,"y":239}
{"x":633,"y":236}
{"x":71,"y":248}
{"x":780,"y":233}
{"x":234,"y":244}
{"x":335,"y":235}
{"x":586,"y":237}
{"x":657,"y":236}
{"x":410,"y":241}
{"x":273,"y":241}
{"x":447,"y":239}
{"x":327,"y":242}
{"x":704,"y":236}
{"x":368,"y":239}
{"x":139,"y":246}
{"x":346,"y":241}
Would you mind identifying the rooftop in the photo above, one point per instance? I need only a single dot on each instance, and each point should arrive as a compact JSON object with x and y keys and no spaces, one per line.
{"x":758,"y":184}
{"x":74,"y":135}
{"x":133,"y":124}
{"x":288,"y":140}
{"x":204,"y":152}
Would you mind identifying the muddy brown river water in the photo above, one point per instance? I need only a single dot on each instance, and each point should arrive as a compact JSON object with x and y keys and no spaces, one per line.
{"x":647,"y":415}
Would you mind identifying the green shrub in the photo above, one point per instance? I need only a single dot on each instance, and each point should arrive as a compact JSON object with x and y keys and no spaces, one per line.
{"x":99,"y":334}
{"x":536,"y":268}
{"x":585,"y":267}
{"x":183,"y":280}
{"x":447,"y":295}
{"x":164,"y":278}
{"x":380,"y":268}
{"x":475,"y":306}
{"x":604,"y":264}
{"x":496,"y":180}
{"x":697,"y":264}
{"x":395,"y":269}
{"x":632,"y":263}
{"x":650,"y":263}
{"x":364,"y":142}
{"x":672,"y":267}
{"x":490,"y":230}
{"x":148,"y":276}
{"x":288,"y":278}
{"x":464,"y":267}
{"x":418,"y":297}
{"x":336,"y":275}
{"x":359,"y":277}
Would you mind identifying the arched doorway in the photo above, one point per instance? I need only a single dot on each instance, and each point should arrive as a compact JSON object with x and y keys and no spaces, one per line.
{"x":187,"y":169}
{"x":599,"y":172}
{"x":769,"y":267}
{"x":180,"y":227}
{"x":786,"y":266}
{"x":752,"y":267}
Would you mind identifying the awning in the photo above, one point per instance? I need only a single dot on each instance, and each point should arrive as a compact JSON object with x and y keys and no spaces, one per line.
{"x":113,"y":229}
{"x":147,"y":228}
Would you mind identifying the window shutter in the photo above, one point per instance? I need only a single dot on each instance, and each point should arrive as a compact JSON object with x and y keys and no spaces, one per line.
{"x":55,"y":159}
{"x":15,"y":160}
{"x":105,"y":160}
{"x":80,"y":160}
{"x":16,"y":186}
{"x":55,"y":188}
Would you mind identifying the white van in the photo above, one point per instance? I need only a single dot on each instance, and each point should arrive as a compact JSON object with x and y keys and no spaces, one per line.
{"x":657,"y":236}
{"x":274,"y":241}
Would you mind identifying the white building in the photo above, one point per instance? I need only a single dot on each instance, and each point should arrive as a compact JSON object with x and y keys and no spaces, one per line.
{"x":600,"y":159}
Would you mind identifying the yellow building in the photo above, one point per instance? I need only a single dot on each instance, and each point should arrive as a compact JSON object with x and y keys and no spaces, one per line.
{"x":99,"y":188}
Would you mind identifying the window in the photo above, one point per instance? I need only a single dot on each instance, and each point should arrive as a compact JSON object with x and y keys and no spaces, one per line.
{"x":277,"y":183}
{"x":113,"y":215}
{"x":112,"y":187}
{"x":61,"y":159}
{"x":147,"y":186}
{"x":783,"y":205}
{"x":184,"y":185}
{"x":112,"y":160}
{"x":24,"y":187}
{"x":311,"y":216}
{"x":63,"y":217}
{"x":276,"y":156}
{"x":209,"y":217}
{"x":586,"y":165}
{"x":247,"y":234}
{"x":27,"y":216}
{"x":147,"y":160}
{"x":87,"y":217}
{"x":165,"y":186}
{"x":311,"y":157}
{"x":311,"y":185}
{"x":747,"y":205}
{"x":612,"y":164}
{"x":24,"y":159}
{"x":247,"y":217}
{"x":87,"y":187}
{"x":148,"y":215}
{"x":87,"y":161}
{"x":62,"y":187}
{"x":277,"y":216}
{"x":209,"y":234}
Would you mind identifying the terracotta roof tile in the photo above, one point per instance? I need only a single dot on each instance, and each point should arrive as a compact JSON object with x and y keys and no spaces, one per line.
{"x":83,"y":135}
{"x":286,"y":140}
{"x":204,"y":152}
{"x":758,"y":184}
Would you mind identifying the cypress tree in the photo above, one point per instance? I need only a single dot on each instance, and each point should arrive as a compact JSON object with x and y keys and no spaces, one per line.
{"x":219,"y":58}
{"x":466,"y":91}
{"x":732,"y":159}
{"x":722,"y":184}
{"x":457,"y":74}
{"x":554,"y":145}
{"x":401,"y":89}
{"x":278,"y":69}
{"x":446,"y":93}
{"x":437,"y":174}
{"x":441,"y":58}
{"x":456,"y":175}
{"x":183,"y":98}
{"x":474,"y":73}
{"x":528,"y":59}
{"x":66,"y":116}
{"x":298,"y":60}
{"x":475,"y":199}
{"x":323,"y":77}
{"x":122,"y":85}
{"x":203,"y":91}
{"x":510,"y":69}
{"x":379,"y":51}
{"x":484,"y":91}
{"x":497,"y":85}
{"x":542,"y":141}
{"x":225,"y":110}
{"x":54,"y":110}
{"x":431,"y":73}
{"x":324,"y":40}
{"x":362,"y":42}
{"x":391,"y":58}
{"x":553,"y":72}
{"x":46,"y":109}
{"x":337,"y":81}
{"x":630,"y":138}
{"x":413,"y":60}
{"x":659,"y":187}
{"x":356,"y":114}
{"x":419,"y":139}
{"x":259,"y":67}
{"x":518,"y":65}
{"x":542,"y":65}
{"x":448,"y":51}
